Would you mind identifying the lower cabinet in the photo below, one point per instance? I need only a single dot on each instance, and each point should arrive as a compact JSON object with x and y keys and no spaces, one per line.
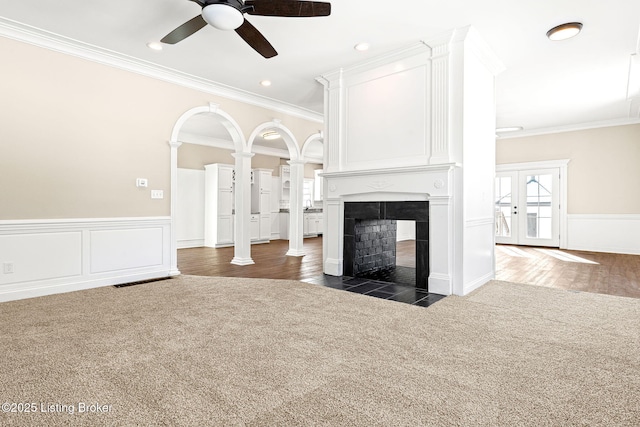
{"x":265,"y":227}
{"x":313,"y":224}
{"x":225,"y":230}
{"x":254,"y":227}
{"x":284,"y":225}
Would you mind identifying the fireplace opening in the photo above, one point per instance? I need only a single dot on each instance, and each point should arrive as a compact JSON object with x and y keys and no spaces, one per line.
{"x":387,"y":241}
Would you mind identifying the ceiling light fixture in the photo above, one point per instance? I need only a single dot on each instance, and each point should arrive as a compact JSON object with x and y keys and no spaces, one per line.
{"x":270,"y":135}
{"x":266,"y":83}
{"x":223,"y":16}
{"x":154,"y":46}
{"x":361,"y":47}
{"x":564,"y":31}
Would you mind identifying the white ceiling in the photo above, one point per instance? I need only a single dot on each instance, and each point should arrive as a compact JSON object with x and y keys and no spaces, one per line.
{"x":546,"y":86}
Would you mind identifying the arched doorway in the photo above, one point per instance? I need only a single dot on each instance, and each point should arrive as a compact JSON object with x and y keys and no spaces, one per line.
{"x":222,"y":129}
{"x":274,"y":137}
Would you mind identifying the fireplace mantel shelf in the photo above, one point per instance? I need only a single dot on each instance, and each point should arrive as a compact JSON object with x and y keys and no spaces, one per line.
{"x":398,"y":170}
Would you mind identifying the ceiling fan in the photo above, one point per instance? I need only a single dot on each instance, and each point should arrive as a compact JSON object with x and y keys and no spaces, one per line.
{"x":229,"y":15}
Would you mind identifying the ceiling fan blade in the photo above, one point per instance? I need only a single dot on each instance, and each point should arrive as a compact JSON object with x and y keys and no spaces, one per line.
{"x":184,"y":30}
{"x":256,"y":40}
{"x":292,"y":8}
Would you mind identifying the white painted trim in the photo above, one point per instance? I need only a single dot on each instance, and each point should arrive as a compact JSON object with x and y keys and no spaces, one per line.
{"x":472,"y":286}
{"x":572,"y":128}
{"x":614,"y":233}
{"x":505,"y":167}
{"x":439,"y":284}
{"x":61,"y":255}
{"x":190,"y":243}
{"x":48,"y":40}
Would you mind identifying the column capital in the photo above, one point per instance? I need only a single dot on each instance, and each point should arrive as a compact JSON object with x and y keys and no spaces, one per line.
{"x":243,"y":155}
{"x":175,"y":144}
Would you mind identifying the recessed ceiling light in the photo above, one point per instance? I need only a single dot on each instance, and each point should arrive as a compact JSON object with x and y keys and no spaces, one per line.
{"x":509,"y":129}
{"x":271,"y":135}
{"x":154,"y":45}
{"x":564,"y":31}
{"x":266,"y":83}
{"x":361,"y":47}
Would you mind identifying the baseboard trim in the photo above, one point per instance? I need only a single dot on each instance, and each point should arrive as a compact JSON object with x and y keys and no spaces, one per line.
{"x":190,"y":243}
{"x":64,"y":255}
{"x":40,"y":289}
{"x":440,"y":284}
{"x":476,"y":284}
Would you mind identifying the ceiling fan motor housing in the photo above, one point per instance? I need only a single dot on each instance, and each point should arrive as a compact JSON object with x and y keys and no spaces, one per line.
{"x":223,"y":14}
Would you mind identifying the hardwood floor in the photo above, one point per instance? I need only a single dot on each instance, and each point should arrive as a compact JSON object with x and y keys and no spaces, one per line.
{"x":271,"y":261}
{"x":598,"y":272}
{"x":604,"y":273}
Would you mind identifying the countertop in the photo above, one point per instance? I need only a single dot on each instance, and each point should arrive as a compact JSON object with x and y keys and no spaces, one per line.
{"x":310,"y":210}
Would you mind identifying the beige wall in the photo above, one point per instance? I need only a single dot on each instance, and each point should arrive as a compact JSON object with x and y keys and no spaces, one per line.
{"x":75,"y":135}
{"x":604,"y":171}
{"x":194,"y":156}
{"x":309,"y":168}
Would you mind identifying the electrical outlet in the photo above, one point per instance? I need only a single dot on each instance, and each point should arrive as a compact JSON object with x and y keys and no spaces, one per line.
{"x":7,"y":268}
{"x":157,"y":194}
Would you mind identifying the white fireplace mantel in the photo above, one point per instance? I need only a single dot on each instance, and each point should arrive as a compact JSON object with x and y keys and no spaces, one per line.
{"x":413,"y":125}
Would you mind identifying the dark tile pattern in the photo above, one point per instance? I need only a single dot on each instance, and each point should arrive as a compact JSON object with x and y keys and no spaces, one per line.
{"x":417,"y":211}
{"x":378,"y":289}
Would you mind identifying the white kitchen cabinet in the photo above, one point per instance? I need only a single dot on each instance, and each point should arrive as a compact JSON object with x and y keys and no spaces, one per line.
{"x":261,"y":203}
{"x":285,"y":181}
{"x":284,"y":225}
{"x":265,"y":227}
{"x":313,"y":223}
{"x":275,"y":225}
{"x":218,"y":205}
{"x":254,"y":227}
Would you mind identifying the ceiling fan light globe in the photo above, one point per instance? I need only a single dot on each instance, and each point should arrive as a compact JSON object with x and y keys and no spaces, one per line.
{"x":222,"y":16}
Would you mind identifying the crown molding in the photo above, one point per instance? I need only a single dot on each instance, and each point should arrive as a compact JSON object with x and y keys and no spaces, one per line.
{"x":48,"y":40}
{"x":572,"y":128}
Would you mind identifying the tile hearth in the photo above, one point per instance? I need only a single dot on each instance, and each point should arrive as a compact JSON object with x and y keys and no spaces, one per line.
{"x":378,"y":289}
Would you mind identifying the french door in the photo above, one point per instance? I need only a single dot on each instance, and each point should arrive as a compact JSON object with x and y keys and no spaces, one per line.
{"x":528,"y":207}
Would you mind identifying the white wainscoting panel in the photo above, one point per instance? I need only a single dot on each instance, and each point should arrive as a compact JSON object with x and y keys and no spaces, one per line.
{"x":53,"y":256}
{"x":479,"y":257}
{"x":138,"y":248}
{"x":604,"y":233}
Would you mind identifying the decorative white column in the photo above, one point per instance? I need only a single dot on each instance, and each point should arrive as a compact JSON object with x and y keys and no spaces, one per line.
{"x":332,"y":241}
{"x":174,"y":207}
{"x":242,"y":195}
{"x":295,"y":209}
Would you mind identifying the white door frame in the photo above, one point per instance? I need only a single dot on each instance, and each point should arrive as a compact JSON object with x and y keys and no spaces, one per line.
{"x":562,"y":165}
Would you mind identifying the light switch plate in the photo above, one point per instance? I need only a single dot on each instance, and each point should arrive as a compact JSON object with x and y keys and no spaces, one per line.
{"x":157,"y":194}
{"x":141,"y":182}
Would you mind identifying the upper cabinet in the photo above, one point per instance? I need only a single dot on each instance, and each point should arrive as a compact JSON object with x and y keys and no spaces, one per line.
{"x":318,"y":184}
{"x":285,"y":179}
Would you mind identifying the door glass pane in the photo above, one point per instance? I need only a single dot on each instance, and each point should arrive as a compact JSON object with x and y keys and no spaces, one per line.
{"x":503,"y":206}
{"x":539,"y":206}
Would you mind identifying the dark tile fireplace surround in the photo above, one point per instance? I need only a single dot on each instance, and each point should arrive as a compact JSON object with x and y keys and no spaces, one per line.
{"x":370,"y":237}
